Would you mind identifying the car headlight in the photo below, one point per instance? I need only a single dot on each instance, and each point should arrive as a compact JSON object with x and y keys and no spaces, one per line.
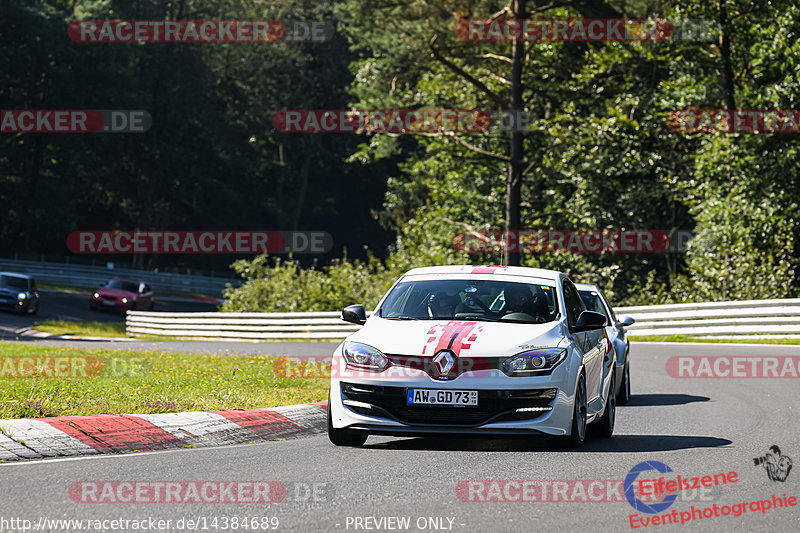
{"x":124,"y":300}
{"x":22,"y":296}
{"x":364,"y":356}
{"x":533,"y":362}
{"x":96,"y":295}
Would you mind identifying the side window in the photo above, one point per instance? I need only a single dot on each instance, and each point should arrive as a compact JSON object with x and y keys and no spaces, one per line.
{"x":572,"y":302}
{"x":592,"y":302}
{"x":610,"y":314}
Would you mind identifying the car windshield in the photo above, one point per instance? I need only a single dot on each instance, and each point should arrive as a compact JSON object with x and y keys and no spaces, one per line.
{"x":470,"y":299}
{"x":591,"y":299}
{"x":123,"y":285}
{"x":13,"y":282}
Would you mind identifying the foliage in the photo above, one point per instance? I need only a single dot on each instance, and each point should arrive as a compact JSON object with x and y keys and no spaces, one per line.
{"x":283,"y":286}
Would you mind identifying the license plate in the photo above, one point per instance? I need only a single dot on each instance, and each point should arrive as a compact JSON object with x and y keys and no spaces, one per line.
{"x":106,"y":302}
{"x":442,"y":397}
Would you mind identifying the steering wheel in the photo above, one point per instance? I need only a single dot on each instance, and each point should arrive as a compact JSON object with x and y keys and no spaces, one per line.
{"x":524,"y":316}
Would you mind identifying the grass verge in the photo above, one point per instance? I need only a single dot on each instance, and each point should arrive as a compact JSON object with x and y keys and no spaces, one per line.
{"x":82,"y":329}
{"x":88,"y":290}
{"x":683,"y":338}
{"x":143,"y":382}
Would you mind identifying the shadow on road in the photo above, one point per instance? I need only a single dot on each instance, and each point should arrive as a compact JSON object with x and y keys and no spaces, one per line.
{"x":616,"y":444}
{"x":648,"y":400}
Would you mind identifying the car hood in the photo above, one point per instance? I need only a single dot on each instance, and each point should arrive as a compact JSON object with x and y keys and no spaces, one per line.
{"x":463,"y":337}
{"x":119,"y":293}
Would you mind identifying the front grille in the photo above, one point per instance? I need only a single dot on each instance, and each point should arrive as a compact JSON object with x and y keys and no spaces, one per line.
{"x":106,"y":297}
{"x":493,"y":406}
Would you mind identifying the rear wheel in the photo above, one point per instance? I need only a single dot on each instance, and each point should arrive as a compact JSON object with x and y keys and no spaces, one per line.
{"x":606,"y":424}
{"x":578,"y":433}
{"x":625,"y":389}
{"x":343,"y":437}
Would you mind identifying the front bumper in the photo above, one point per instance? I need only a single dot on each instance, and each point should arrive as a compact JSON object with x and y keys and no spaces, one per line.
{"x":98,"y":303}
{"x":506,"y":405}
{"x":15,"y":304}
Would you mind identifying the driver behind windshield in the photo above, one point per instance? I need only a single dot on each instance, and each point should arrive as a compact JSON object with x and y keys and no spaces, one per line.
{"x":519,"y":299}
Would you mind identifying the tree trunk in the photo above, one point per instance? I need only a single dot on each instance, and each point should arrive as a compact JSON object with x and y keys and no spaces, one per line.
{"x":725,"y":54}
{"x":516,"y":150}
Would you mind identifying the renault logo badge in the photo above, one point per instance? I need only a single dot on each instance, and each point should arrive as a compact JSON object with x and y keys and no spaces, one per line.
{"x":443,"y":363}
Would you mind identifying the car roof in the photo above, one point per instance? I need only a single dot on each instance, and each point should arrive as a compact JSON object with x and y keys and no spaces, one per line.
{"x":16,"y":275}
{"x":540,"y":273}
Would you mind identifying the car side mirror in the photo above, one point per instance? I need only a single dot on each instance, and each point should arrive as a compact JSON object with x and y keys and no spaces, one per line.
{"x":590,"y":320}
{"x":356,"y":314}
{"x":625,"y":321}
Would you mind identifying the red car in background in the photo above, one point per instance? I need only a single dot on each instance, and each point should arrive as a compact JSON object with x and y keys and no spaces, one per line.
{"x":123,"y":294}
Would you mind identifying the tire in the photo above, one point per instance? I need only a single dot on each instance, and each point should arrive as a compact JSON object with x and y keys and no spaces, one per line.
{"x":605,"y":426}
{"x":344,"y":437}
{"x":625,"y":389}
{"x":577,"y":434}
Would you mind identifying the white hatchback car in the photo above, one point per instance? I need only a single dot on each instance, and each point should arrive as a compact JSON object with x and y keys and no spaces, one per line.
{"x":474,"y":350}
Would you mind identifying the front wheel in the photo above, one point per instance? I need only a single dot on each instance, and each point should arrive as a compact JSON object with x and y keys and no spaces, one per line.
{"x":344,"y":437}
{"x":577,"y":435}
{"x":625,"y":389}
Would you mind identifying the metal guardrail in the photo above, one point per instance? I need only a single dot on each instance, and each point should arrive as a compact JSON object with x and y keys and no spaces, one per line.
{"x":241,"y":326}
{"x":761,"y":318}
{"x":91,"y":276}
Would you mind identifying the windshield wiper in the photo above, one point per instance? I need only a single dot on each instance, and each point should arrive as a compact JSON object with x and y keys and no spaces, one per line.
{"x":481,"y":317}
{"x":504,"y":320}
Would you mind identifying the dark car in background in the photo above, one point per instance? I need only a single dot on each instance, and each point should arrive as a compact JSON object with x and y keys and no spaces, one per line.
{"x":121,"y":295}
{"x":18,"y":292}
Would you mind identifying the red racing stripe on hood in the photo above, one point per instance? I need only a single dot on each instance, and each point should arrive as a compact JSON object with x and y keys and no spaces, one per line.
{"x":454,"y":335}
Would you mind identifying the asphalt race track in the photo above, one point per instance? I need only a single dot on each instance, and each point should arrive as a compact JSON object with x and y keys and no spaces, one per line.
{"x":697,"y":427}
